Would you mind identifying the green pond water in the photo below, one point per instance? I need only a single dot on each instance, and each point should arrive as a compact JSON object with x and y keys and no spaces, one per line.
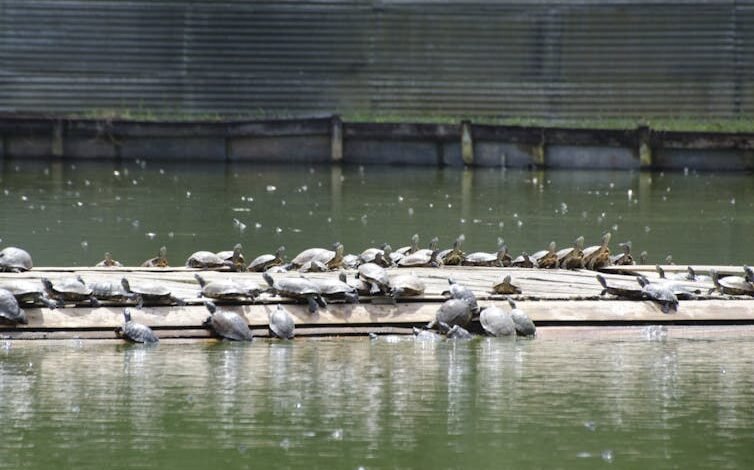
{"x":652,"y":401}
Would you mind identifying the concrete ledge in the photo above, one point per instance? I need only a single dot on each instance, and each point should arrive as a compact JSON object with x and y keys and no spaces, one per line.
{"x":328,"y":139}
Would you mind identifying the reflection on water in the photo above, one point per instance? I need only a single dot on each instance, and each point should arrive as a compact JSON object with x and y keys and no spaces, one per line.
{"x":71,"y":213}
{"x":379,"y":404}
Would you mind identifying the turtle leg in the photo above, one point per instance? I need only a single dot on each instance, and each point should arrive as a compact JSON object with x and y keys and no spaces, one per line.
{"x":312,"y":304}
{"x":352,"y":297}
{"x":119,"y":332}
{"x":94,"y":302}
{"x":139,"y":301}
{"x":48,"y":302}
{"x":374,"y":289}
{"x":320,"y":301}
{"x":665,"y":307}
{"x":177,"y":301}
{"x":395,"y":294}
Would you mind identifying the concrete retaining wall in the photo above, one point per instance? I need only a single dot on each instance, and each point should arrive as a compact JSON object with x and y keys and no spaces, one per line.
{"x":323,"y":140}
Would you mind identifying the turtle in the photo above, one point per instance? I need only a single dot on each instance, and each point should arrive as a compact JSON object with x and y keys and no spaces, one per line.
{"x":413,"y":247}
{"x":108,"y":262}
{"x":732,"y":285}
{"x":29,"y":291}
{"x":681,"y":291}
{"x":226,"y":289}
{"x":481,"y":258}
{"x":453,"y":256}
{"x":150,"y":292}
{"x":376,"y":277}
{"x":160,"y":261}
{"x":406,"y":285}
{"x":331,"y":258}
{"x":10,"y":311}
{"x":298,"y":288}
{"x":598,"y":256}
{"x":694,"y":277}
{"x":623,"y":292}
{"x":208,"y":260}
{"x":643,"y":257}
{"x":422,"y":334}
{"x":227,"y":324}
{"x":458,"y":332}
{"x":748,"y":273}
{"x":675,"y":276}
{"x":624,"y":258}
{"x":281,"y":323}
{"x":264,"y":262}
{"x":451,"y":312}
{"x":351,"y":261}
{"x":546,"y":259}
{"x":524,"y":325}
{"x":108,"y":290}
{"x":339,"y":288}
{"x":505,"y":286}
{"x":135,"y":332}
{"x":497,"y":322}
{"x":660,"y":293}
{"x":235,"y":256}
{"x":572,"y":257}
{"x":422,"y":258}
{"x":379,"y":256}
{"x":15,"y":260}
{"x":523,"y":261}
{"x":457,"y":291}
{"x":69,"y":289}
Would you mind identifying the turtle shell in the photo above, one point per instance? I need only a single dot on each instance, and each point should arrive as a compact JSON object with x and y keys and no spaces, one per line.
{"x":497,"y":322}
{"x":9,"y":308}
{"x":281,"y":323}
{"x":454,"y":312}
{"x":205,"y":259}
{"x":15,"y":259}
{"x":230,"y":325}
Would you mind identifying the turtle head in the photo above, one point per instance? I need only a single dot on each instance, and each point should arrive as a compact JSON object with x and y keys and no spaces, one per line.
{"x":342,"y":277}
{"x":501,"y":252}
{"x":202,"y":282}
{"x":692,"y":274}
{"x":386,"y":251}
{"x":108,"y":257}
{"x":458,"y":242}
{"x":451,"y":281}
{"x":127,"y":314}
{"x":163,"y":253}
{"x":47,"y":284}
{"x":626,"y":247}
{"x":551,"y":247}
{"x":715,"y":278}
{"x":660,"y":271}
{"x":643,"y":257}
{"x":124,"y":282}
{"x":579,"y":243}
{"x":415,"y":241}
{"x":602,"y":281}
{"x":337,"y":247}
{"x":606,"y":238}
{"x":80,"y":279}
{"x":434,"y":243}
{"x":507,"y":279}
{"x":511,"y":302}
{"x":211,"y":307}
{"x":433,"y":259}
{"x":669,"y":259}
{"x":748,"y":273}
{"x":280,"y":252}
{"x":642,"y":280}
{"x":268,"y":279}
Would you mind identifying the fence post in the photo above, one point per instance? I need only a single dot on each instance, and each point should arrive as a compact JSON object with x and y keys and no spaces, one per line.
{"x":645,"y":148}
{"x":467,"y":144}
{"x":336,"y":139}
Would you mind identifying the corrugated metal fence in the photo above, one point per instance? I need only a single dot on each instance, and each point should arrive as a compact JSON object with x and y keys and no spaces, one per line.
{"x":546,"y":59}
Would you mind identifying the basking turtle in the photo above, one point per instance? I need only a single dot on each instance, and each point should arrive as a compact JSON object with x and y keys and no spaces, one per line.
{"x":505,"y":286}
{"x":351,"y":261}
{"x":150,"y":292}
{"x":406,"y":285}
{"x":481,"y":258}
{"x":426,"y":335}
{"x":208,"y":260}
{"x":69,"y":290}
{"x":497,"y":322}
{"x":748,"y":273}
{"x":235,"y":256}
{"x":108,"y":262}
{"x":264,"y":262}
{"x":15,"y":260}
{"x":572,"y":257}
{"x":643,"y":257}
{"x":298,"y":288}
{"x":624,"y":258}
{"x":598,"y":256}
{"x":422,"y":258}
{"x":379,"y":256}
{"x":458,"y":332}
{"x":412,"y":248}
{"x":451,"y":312}
{"x":660,"y":293}
{"x":160,"y":261}
{"x":624,"y":292}
{"x":546,"y":259}
{"x":675,"y":276}
{"x":376,"y":277}
{"x":227,"y":324}
{"x":107,"y":290}
{"x":133,"y":331}
{"x":331,"y":258}
{"x":457,"y":291}
{"x":226,"y":289}
{"x":453,"y":256}
{"x":337,"y":289}
{"x":681,"y":291}
{"x":732,"y":285}
{"x":281,"y":323}
{"x":10,"y":311}
{"x":524,"y":325}
{"x":523,"y":261}
{"x":28,"y":291}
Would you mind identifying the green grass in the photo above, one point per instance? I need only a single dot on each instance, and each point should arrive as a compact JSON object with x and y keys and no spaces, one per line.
{"x":656,"y":123}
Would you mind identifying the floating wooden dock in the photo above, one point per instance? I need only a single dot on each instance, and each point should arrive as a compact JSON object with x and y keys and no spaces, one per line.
{"x":560,"y":302}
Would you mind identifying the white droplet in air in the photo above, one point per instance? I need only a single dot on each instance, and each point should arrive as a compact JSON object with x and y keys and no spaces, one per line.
{"x":410,"y":211}
{"x":85,"y":244}
{"x":630,"y":194}
{"x":151,"y":235}
{"x":270,"y":188}
{"x":188,"y":194}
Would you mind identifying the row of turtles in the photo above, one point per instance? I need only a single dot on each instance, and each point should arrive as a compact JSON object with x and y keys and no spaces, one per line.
{"x":322,"y":259}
